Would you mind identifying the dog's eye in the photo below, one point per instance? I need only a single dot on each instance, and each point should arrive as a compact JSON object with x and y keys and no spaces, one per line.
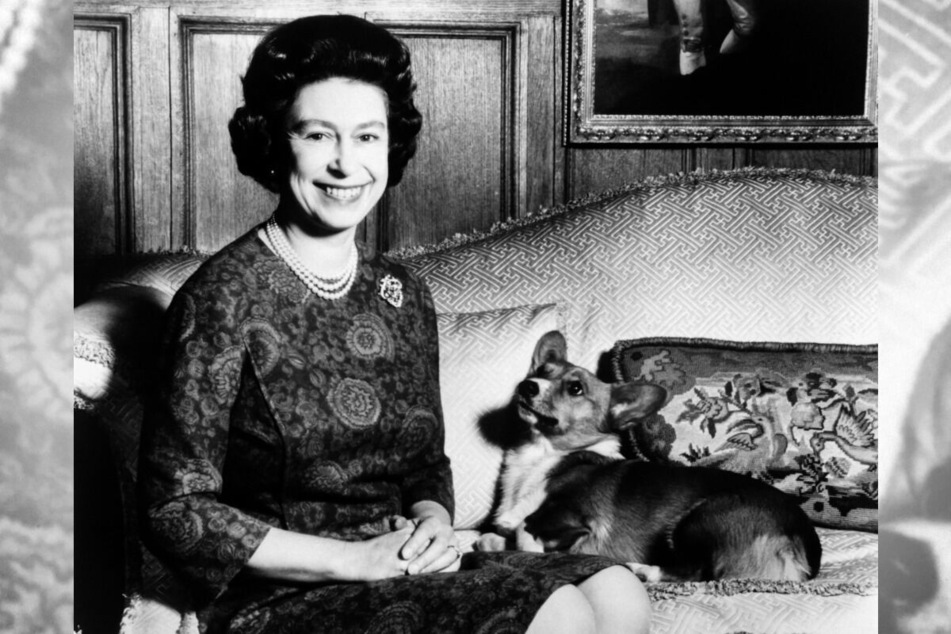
{"x":574,"y":388}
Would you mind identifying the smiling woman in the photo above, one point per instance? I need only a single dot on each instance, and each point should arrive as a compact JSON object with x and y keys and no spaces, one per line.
{"x":293,"y":471}
{"x":337,"y":165}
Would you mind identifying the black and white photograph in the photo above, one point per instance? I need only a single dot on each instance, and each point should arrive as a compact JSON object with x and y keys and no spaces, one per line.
{"x":544,"y":316}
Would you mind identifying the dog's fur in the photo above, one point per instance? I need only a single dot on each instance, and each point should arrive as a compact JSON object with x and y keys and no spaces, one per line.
{"x":567,"y":488}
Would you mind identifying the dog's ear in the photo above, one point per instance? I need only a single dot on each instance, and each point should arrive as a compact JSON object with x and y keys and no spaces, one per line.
{"x":631,"y":402}
{"x":551,"y":347}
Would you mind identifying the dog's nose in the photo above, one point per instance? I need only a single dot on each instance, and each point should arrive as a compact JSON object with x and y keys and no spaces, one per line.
{"x":527,"y":389}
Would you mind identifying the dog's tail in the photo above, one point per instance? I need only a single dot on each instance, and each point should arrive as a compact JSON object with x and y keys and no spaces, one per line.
{"x":772,"y":557}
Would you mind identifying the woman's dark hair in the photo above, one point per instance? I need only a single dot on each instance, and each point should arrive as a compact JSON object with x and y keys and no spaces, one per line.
{"x":312,"y":49}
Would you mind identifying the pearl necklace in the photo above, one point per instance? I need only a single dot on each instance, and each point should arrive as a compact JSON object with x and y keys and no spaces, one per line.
{"x":327,"y":288}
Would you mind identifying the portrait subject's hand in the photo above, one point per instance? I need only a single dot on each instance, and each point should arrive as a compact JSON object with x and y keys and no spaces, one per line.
{"x":380,"y":557}
{"x":431,"y":548}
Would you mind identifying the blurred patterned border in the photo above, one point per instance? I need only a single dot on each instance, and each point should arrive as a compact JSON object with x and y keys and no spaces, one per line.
{"x":36,"y":274}
{"x":915,"y":202}
{"x":36,"y":265}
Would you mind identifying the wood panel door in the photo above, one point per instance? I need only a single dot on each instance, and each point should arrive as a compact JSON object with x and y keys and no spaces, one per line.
{"x":101,"y":141}
{"x":488,"y":149}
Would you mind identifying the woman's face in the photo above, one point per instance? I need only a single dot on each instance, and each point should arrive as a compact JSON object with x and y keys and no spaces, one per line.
{"x":339,"y":147}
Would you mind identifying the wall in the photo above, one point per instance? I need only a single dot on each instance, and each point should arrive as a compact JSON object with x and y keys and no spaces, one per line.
{"x":156,"y":82}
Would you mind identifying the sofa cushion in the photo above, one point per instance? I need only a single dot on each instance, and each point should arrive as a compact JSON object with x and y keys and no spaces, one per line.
{"x":801,"y":416}
{"x":770,"y":253}
{"x":115,"y":339}
{"x":165,"y":272}
{"x":482,"y":357}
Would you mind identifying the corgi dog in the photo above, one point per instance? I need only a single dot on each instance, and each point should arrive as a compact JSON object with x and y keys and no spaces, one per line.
{"x":546,"y":442}
{"x":567,"y":488}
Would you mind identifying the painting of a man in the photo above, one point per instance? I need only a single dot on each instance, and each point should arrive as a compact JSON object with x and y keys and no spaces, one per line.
{"x":731,"y":58}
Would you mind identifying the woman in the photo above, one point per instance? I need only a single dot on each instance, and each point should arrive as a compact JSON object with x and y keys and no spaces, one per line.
{"x":293,"y":471}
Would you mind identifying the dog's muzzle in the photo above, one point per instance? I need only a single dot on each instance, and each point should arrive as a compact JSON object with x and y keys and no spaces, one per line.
{"x":527,"y":389}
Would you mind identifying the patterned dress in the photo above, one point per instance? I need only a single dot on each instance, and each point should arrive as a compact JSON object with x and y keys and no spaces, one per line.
{"x":279,"y":408}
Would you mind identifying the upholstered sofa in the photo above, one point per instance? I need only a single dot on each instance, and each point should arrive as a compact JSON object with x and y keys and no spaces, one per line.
{"x":768,"y":261}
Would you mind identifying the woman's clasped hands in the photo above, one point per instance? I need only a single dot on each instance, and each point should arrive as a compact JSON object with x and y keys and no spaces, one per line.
{"x":412,"y":547}
{"x":431,"y":546}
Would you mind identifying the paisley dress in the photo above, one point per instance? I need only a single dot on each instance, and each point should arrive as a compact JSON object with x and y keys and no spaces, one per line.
{"x":279,"y":408}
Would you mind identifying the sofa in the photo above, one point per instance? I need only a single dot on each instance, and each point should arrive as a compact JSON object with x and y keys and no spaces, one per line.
{"x":750,"y":294}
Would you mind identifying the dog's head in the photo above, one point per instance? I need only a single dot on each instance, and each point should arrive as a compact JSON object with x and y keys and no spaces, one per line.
{"x":572,"y":407}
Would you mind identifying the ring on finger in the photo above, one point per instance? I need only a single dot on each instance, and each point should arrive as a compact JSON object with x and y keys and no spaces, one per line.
{"x":456,"y":550}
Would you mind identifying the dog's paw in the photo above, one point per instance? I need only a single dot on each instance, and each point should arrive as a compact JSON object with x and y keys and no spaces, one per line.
{"x":490,"y":543}
{"x":526,"y":542}
{"x":507,"y":523}
{"x":647,"y":574}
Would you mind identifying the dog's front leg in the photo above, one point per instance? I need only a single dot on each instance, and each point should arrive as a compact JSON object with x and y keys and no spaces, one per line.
{"x":491,"y":543}
{"x":526,"y":542}
{"x":647,"y":574}
{"x":510,"y":520}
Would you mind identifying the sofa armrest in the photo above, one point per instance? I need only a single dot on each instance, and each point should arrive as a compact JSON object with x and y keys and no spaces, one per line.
{"x":115,"y":340}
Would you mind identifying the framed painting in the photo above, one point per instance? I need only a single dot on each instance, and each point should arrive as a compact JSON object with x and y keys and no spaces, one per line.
{"x":721,"y":71}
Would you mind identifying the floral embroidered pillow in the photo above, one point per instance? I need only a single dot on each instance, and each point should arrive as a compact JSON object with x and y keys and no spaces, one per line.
{"x":803,"y":417}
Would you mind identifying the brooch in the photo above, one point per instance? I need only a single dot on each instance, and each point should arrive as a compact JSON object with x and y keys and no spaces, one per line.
{"x":391,"y":289}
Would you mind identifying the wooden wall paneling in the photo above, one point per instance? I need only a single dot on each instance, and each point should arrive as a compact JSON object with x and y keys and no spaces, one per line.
{"x":464,"y":175}
{"x":541,"y":97}
{"x":213,"y":203}
{"x":101,"y":138}
{"x":719,"y":158}
{"x":861,"y":160}
{"x":593,"y":169}
{"x":151,"y":139}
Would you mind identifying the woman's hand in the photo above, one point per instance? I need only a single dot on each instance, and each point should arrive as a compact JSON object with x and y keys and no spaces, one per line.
{"x":433,"y":546}
{"x":379,"y":558}
{"x":301,"y":558}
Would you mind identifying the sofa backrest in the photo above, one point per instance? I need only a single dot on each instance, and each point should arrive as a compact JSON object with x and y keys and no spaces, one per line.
{"x":754,"y":254}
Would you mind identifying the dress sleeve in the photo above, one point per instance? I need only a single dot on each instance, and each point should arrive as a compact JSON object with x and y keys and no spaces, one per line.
{"x":432,"y":480}
{"x":184,"y":441}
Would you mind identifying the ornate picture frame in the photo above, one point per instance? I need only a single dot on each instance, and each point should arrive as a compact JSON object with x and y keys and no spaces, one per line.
{"x":806,"y":72}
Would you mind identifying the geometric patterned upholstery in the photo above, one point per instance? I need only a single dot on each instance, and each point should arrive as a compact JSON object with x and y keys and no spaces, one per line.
{"x":753,"y":254}
{"x":165,"y":272}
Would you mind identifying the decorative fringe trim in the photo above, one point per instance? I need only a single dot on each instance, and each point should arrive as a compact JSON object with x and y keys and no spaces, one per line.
{"x":94,"y":351}
{"x":163,"y":252}
{"x":144,"y":616}
{"x":82,"y":403}
{"x":189,"y":624}
{"x":743,"y":346}
{"x":640,"y":186}
{"x":731,"y":587}
{"x":770,"y":346}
